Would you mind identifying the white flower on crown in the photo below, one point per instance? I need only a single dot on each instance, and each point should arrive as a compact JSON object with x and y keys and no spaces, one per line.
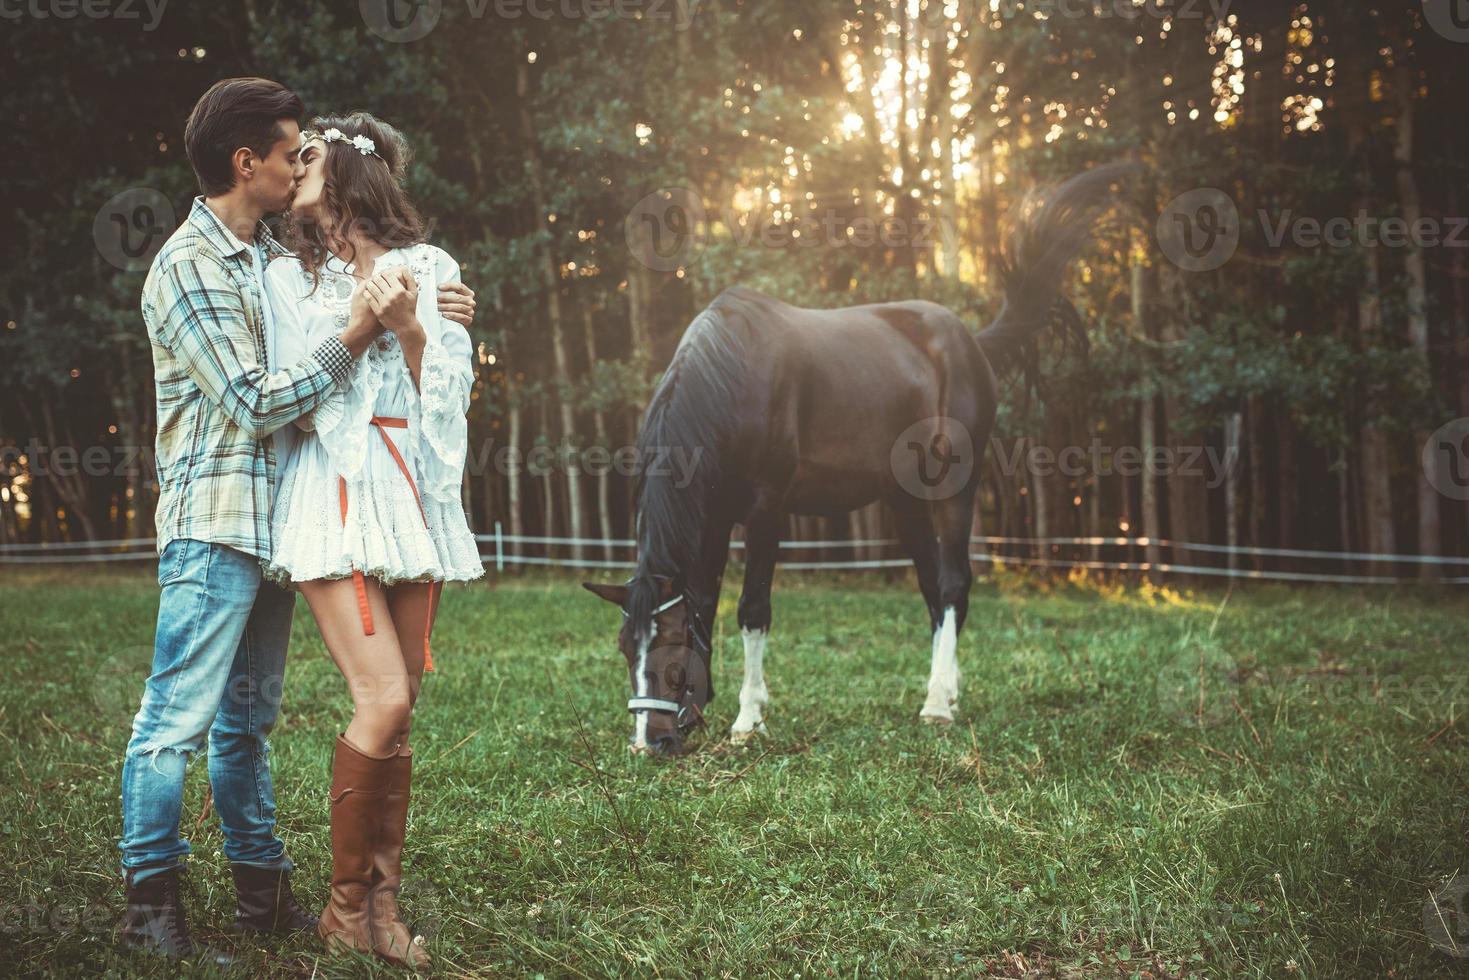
{"x":364,"y":144}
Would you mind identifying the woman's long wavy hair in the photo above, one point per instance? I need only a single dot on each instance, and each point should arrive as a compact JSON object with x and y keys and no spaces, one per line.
{"x":360,"y":191}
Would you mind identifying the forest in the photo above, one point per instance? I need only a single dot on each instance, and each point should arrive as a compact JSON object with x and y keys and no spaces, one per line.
{"x":1276,"y":308}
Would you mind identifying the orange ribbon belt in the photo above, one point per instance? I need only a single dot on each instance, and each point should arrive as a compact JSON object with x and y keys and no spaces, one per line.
{"x":383,"y":423}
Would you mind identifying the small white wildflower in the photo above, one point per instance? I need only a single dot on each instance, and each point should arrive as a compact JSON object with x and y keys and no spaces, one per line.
{"x":331,"y":134}
{"x":364,"y":144}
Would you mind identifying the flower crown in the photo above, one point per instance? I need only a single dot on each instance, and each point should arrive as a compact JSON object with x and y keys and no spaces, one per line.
{"x":364,"y":144}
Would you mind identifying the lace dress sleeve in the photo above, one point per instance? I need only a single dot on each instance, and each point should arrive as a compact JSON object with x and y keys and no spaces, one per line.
{"x":285,"y":290}
{"x":343,"y":420}
{"x":446,"y":378}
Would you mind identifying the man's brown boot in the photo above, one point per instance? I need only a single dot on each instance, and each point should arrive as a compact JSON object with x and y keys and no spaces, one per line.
{"x":392,"y":939}
{"x":359,"y":788}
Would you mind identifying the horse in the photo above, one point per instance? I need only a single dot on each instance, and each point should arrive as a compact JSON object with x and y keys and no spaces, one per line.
{"x":783,"y":410}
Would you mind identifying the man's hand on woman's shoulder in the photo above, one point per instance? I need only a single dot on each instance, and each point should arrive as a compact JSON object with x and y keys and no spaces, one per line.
{"x":456,"y":302}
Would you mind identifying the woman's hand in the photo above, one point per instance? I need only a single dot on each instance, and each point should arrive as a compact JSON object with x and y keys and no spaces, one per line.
{"x":363,"y":325}
{"x":362,"y":314}
{"x":393,"y":296}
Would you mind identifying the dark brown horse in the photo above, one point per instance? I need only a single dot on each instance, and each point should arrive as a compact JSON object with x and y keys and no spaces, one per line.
{"x":793,"y":411}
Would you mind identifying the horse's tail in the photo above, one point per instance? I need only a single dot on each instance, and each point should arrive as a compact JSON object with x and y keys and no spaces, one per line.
{"x":1052,"y":227}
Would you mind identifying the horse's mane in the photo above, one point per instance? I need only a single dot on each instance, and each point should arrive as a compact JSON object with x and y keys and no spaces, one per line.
{"x":693,"y":412}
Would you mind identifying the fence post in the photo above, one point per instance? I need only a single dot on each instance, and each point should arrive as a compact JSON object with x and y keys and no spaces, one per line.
{"x":499,"y":549}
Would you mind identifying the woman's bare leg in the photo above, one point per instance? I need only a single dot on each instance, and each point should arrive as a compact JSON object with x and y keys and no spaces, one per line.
{"x":410,"y":608}
{"x":382,"y":696}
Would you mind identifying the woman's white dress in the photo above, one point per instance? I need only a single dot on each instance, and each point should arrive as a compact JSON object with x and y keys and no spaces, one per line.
{"x":384,"y":535}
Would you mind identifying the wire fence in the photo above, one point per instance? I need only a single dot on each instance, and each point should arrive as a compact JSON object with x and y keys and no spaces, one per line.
{"x":502,"y":551}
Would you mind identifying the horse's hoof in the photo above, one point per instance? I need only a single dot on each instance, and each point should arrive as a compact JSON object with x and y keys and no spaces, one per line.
{"x":737,"y":736}
{"x":934,"y":718}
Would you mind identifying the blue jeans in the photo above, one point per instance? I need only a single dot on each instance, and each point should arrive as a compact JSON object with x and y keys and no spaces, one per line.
{"x":219,"y":657}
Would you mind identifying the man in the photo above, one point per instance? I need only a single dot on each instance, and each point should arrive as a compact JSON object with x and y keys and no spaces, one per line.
{"x":220,"y":648}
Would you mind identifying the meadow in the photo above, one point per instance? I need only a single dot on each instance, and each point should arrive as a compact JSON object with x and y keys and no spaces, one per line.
{"x":1269,"y":782}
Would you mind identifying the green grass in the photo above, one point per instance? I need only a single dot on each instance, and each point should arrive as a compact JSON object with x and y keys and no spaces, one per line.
{"x":1139,"y":784}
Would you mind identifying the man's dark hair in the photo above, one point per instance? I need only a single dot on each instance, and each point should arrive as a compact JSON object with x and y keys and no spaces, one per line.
{"x":236,"y":112}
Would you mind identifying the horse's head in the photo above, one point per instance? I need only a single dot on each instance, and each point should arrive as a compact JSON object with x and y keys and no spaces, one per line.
{"x":667,"y":660}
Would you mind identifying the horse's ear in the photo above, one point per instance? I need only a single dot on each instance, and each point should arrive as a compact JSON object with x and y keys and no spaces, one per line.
{"x":614,"y":594}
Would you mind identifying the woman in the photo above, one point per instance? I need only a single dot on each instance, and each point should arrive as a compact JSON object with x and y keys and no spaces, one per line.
{"x":368,"y":522}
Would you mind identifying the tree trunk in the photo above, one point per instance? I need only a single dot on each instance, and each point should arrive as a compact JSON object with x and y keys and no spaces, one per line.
{"x":1186,"y":486}
{"x":548,"y":489}
{"x":639,"y":306}
{"x":903,"y":204}
{"x":1004,"y":504}
{"x":1404,"y":84}
{"x":1286,"y":483}
{"x":599,"y":434}
{"x":7,"y":498}
{"x":1041,"y":511}
{"x":1232,"y":424}
{"x":938,"y":129}
{"x":1093,"y":491}
{"x":1377,"y":497}
{"x":570,"y":444}
{"x":1143,"y":326}
{"x":1381,"y":537}
{"x":130,"y":436}
{"x":1152,"y":525}
{"x":515,"y":415}
{"x":1256,"y":448}
{"x":1188,"y":494}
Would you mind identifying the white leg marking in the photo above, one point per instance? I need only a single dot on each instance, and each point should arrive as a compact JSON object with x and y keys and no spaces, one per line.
{"x":943,"y":677}
{"x":753,"y":694}
{"x":640,"y":729}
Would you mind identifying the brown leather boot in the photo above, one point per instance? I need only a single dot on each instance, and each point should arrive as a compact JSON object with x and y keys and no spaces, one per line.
{"x":392,"y":939}
{"x":359,"y":787}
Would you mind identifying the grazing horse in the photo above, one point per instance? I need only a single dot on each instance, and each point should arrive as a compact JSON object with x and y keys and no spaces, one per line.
{"x":784,"y":410}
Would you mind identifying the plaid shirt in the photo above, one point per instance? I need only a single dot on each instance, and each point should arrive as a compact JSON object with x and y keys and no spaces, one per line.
{"x":217,"y":404}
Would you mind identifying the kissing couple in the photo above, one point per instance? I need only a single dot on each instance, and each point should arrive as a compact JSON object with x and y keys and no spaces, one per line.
{"x":312,"y":435}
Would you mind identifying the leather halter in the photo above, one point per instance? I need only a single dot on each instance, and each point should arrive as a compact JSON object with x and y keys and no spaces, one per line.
{"x":686,"y":715}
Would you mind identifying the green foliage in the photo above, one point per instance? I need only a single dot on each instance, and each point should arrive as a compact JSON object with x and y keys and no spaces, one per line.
{"x":536,"y":137}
